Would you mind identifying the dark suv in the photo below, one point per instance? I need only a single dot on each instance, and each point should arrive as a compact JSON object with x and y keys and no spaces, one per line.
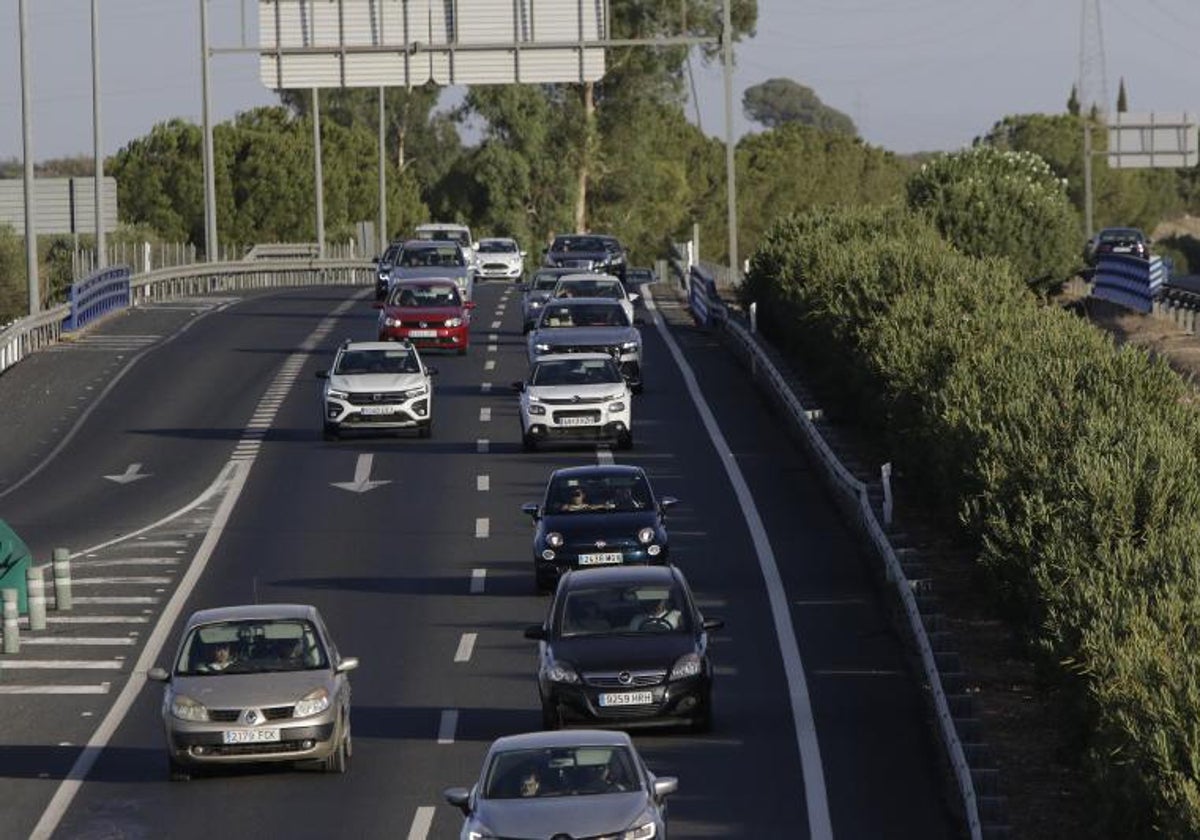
{"x":1117,"y":240}
{"x":588,"y":252}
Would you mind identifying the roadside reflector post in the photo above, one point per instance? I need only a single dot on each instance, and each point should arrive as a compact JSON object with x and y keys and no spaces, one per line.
{"x":12,"y":627}
{"x":754,"y":317}
{"x":62,"y":579}
{"x":35,"y":587}
{"x":885,"y":474}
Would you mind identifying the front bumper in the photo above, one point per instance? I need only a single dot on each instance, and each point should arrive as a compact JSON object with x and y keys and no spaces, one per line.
{"x":442,"y":338}
{"x":199,"y":744}
{"x":499,"y":272}
{"x":672,"y":703}
{"x":408,"y":414}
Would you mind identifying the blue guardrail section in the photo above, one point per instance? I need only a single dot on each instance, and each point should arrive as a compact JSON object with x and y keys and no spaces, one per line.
{"x":702,"y":289}
{"x":98,"y":294}
{"x":1129,"y":281}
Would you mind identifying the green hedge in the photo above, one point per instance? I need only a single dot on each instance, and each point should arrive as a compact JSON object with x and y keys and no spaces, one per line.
{"x":1070,"y":465}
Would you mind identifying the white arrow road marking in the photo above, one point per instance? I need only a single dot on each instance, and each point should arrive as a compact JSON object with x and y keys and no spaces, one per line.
{"x":362,"y":476}
{"x":132,"y":473}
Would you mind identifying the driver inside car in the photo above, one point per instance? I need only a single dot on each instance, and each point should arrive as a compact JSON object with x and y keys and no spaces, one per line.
{"x":664,"y":615}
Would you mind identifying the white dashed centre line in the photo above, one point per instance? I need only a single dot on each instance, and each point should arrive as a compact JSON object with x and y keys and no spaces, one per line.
{"x":466,"y":646}
{"x":491,"y":348}
{"x":482,"y":526}
{"x":478,"y":577}
{"x":483,"y":483}
{"x":493,"y":337}
{"x":422,"y":822}
{"x":485,"y":414}
{"x":447,"y":726}
{"x":496,"y":325}
{"x":490,"y":364}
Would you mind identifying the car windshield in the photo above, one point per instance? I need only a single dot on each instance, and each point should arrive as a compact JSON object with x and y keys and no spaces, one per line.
{"x":545,"y":282}
{"x":560,"y":771}
{"x":567,"y":244}
{"x":389,"y":360}
{"x":431,"y":257}
{"x":458,"y":235}
{"x":497,"y":246}
{"x":423,"y":295}
{"x":584,"y":315}
{"x":622,"y":609}
{"x":389,"y":256}
{"x":253,"y":646}
{"x":617,"y":492}
{"x":572,"y":372}
{"x":610,"y":289}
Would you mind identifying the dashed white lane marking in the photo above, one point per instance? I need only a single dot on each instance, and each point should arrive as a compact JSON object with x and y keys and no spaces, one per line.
{"x":466,"y":646}
{"x":113,"y":581}
{"x":604,"y":456}
{"x":483,"y":483}
{"x":128,"y":561}
{"x":99,"y":688}
{"x":51,"y":664}
{"x":491,"y":348}
{"x":422,"y":822}
{"x":91,"y":619}
{"x":447,"y":726}
{"x":490,"y":364}
{"x":496,"y":325}
{"x":485,"y":414}
{"x":116,"y":599}
{"x":78,"y":640}
{"x":161,"y":544}
{"x":482,"y":445}
{"x":493,"y":337}
{"x":478,"y":577}
{"x":485,"y":388}
{"x":483,"y":527}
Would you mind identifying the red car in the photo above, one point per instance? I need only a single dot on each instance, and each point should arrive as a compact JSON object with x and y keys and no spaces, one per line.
{"x":429,"y":313}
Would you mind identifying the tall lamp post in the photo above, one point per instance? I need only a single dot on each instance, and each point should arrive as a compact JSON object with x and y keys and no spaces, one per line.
{"x":97,"y":150}
{"x":31,"y":252}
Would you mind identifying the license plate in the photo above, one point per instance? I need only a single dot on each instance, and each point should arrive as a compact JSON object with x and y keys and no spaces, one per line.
{"x":250,"y":736}
{"x":600,"y":559}
{"x":627,"y":698}
{"x":422,"y":333}
{"x":575,"y":421}
{"x":380,"y":409}
{"x":1122,"y":249}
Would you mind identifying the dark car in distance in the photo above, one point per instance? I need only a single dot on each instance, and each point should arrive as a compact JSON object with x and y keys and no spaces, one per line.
{"x":624,"y":647}
{"x":597,"y":516}
{"x":588,"y":252}
{"x":1117,"y":240}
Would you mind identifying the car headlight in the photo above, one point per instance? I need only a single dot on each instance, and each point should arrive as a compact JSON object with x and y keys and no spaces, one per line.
{"x":541,"y":348}
{"x":535,"y":304}
{"x":539,"y":410}
{"x":481,"y":833}
{"x":333,"y":394}
{"x":617,"y":406}
{"x":454,"y":322}
{"x":185,"y":708}
{"x":560,"y":672}
{"x":389,"y":321}
{"x":554,"y":539}
{"x":415,"y":392}
{"x":646,"y":536}
{"x":313,"y":703}
{"x":686,"y":666}
{"x":645,"y":831}
{"x":629,"y":346}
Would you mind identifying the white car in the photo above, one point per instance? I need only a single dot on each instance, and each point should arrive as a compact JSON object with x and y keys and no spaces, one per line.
{"x":575,"y":396}
{"x":595,"y":286}
{"x":499,"y":258}
{"x":377,"y":385}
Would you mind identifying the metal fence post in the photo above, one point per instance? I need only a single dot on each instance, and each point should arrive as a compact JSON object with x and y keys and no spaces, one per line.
{"x":12,"y":628}
{"x":35,"y":587}
{"x":62,"y":579}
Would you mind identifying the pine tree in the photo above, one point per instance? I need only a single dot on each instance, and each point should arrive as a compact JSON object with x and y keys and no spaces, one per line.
{"x":1122,"y":101}
{"x":1073,"y":102}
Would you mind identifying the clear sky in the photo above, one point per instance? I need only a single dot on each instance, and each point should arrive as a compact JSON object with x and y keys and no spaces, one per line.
{"x":914,"y":75}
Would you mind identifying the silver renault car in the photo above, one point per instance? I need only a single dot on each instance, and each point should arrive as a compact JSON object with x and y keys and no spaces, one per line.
{"x":256,"y":683}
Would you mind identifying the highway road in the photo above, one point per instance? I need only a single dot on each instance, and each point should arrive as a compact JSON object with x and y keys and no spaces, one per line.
{"x":425,"y":575}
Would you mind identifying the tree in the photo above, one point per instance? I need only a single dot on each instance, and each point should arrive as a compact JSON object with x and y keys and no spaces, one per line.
{"x":777,"y":102}
{"x":1073,"y":102}
{"x":1122,"y":99}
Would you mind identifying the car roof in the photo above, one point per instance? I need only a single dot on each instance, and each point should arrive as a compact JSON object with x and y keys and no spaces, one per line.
{"x":504,"y":239}
{"x":590,"y":276}
{"x":378,"y":345}
{"x":414,"y":244}
{"x":632,"y":575}
{"x":596,"y":469}
{"x":562,"y":738}
{"x":242,"y":612}
{"x":580,"y":301}
{"x":571,"y":357}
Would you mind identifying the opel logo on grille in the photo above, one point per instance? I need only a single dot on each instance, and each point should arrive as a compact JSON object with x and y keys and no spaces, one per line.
{"x":250,"y":717}
{"x":601,"y":543}
{"x":624,"y":678}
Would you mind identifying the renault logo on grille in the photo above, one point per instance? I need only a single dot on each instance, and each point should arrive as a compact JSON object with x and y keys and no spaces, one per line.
{"x":250,"y":717}
{"x":624,"y":678}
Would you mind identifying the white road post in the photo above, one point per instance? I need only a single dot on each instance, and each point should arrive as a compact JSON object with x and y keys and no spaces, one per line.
{"x":62,"y":579}
{"x":12,"y":628}
{"x":36,"y":592}
{"x":885,"y":474}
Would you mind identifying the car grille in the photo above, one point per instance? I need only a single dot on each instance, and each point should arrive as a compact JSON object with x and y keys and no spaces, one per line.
{"x":577,"y":400}
{"x":231,"y":715}
{"x":611,"y":350}
{"x":386,"y":398}
{"x":495,"y":266}
{"x":422,"y":323}
{"x":638,"y":679}
{"x":256,"y":749}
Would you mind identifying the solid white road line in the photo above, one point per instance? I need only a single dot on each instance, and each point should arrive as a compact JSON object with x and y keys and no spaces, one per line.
{"x":447,"y":726}
{"x":478,"y":576}
{"x":466,"y":646}
{"x":483,"y":483}
{"x":128,"y":561}
{"x":78,"y":640}
{"x":482,"y":527}
{"x":90,"y":619}
{"x":116,"y":599}
{"x":820,"y":826}
{"x":107,"y":581}
{"x":100,"y":688}
{"x":422,"y":822}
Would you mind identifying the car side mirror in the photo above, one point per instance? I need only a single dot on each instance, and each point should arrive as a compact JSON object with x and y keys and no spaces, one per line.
{"x":348,"y":663}
{"x":712,"y":623}
{"x":531,"y":509}
{"x":536,"y":632}
{"x":322,"y":374}
{"x":460,"y":798}
{"x":158,"y":674}
{"x":469,"y":305}
{"x":378,"y":304}
{"x":664,"y":786}
{"x":524,"y":253}
{"x":633,"y":297}
{"x":667,"y":502}
{"x":518,"y":387}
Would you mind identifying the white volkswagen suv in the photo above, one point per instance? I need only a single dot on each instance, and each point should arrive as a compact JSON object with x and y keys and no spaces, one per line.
{"x":377,"y":385}
{"x":575,"y":395}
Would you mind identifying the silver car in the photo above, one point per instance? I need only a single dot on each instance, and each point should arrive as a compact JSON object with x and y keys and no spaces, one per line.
{"x":256,"y":683}
{"x":580,"y":783}
{"x":537,"y":291}
{"x":420,"y":259}
{"x":377,"y":385}
{"x":589,"y":325}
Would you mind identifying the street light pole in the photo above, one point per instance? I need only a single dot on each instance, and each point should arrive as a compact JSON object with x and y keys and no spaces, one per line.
{"x":730,"y":158}
{"x":318,"y":174}
{"x":383,"y":232}
{"x":97,"y":149}
{"x":31,"y":249}
{"x":211,"y":248}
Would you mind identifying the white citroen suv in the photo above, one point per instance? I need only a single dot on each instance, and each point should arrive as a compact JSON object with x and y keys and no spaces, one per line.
{"x":575,"y":396}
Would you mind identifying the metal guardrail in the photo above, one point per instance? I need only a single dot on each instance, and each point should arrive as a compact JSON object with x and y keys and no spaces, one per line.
{"x":34,"y":333}
{"x":852,"y":497}
{"x":97,"y":295}
{"x":1129,"y":281}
